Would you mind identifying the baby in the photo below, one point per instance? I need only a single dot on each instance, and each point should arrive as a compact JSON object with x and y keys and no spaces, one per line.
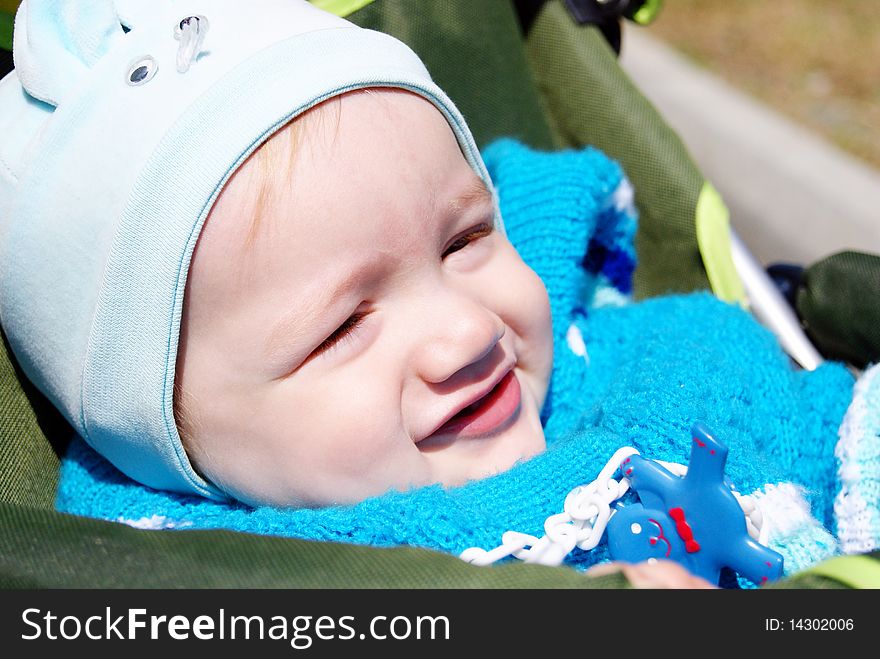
{"x":268,"y":264}
{"x":343,"y":329}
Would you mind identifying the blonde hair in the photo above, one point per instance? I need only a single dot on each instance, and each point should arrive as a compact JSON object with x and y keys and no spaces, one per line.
{"x":273,"y":161}
{"x":184,"y":414}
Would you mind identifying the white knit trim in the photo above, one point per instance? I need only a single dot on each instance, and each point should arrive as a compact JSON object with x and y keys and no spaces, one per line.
{"x":576,"y":343}
{"x":858,"y":451}
{"x":156,"y":522}
{"x":608,"y":296}
{"x":791,"y":528}
{"x":623,"y":197}
{"x":854,"y":523}
{"x":784,"y":508}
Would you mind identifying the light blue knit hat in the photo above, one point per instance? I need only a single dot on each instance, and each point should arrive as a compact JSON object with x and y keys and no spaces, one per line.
{"x":120,"y":125}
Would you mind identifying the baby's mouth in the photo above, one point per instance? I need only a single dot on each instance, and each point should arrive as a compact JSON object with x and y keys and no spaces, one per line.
{"x":484,"y":416}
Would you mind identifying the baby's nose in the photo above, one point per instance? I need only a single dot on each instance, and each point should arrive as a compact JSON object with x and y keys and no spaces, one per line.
{"x":464,"y":334}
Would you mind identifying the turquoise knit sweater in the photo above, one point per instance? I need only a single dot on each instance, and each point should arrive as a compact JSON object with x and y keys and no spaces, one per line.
{"x":624,"y":374}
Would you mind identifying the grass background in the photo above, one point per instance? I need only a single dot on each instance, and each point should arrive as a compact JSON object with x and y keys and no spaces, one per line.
{"x":817,"y":61}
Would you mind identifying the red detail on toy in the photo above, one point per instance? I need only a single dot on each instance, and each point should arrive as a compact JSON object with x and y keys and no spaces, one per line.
{"x":653,"y":541}
{"x":712,"y":451}
{"x":684,"y":530}
{"x":701,"y":444}
{"x":768,"y":564}
{"x":662,"y":537}
{"x":763,"y":579}
{"x":629,"y":471}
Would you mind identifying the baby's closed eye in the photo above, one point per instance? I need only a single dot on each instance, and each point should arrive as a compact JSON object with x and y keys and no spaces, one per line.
{"x":342,"y":333}
{"x":464,"y":239}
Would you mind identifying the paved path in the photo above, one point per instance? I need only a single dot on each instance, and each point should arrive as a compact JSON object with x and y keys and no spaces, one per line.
{"x":792,"y":195}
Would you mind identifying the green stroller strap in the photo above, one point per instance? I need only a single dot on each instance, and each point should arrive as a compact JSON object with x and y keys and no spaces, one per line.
{"x":647,"y":12}
{"x":340,"y":7}
{"x":713,"y":236}
{"x":855,"y":571}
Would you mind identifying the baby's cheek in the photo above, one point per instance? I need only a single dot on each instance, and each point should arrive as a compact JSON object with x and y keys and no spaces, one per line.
{"x":539,"y":338}
{"x":538,"y":303}
{"x":527,"y":313}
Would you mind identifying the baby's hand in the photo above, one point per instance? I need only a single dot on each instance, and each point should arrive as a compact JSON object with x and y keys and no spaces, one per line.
{"x":658,"y":574}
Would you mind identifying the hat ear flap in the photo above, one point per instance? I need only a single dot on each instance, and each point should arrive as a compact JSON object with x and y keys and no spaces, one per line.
{"x":57,"y":41}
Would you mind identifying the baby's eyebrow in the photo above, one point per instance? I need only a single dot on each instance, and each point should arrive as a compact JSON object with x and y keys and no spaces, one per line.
{"x":310,"y":307}
{"x":475,"y":194}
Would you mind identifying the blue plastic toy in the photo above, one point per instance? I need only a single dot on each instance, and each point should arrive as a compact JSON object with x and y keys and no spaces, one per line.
{"x":694,"y":520}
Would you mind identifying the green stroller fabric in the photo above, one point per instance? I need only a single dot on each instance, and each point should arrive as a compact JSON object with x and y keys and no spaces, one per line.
{"x":559,"y":86}
{"x":839,"y":303}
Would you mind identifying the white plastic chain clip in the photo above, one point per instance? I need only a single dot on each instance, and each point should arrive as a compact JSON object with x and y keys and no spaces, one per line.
{"x":586,"y":511}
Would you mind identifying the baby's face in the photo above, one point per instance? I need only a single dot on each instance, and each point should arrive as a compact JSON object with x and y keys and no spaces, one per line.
{"x":369,"y":330}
